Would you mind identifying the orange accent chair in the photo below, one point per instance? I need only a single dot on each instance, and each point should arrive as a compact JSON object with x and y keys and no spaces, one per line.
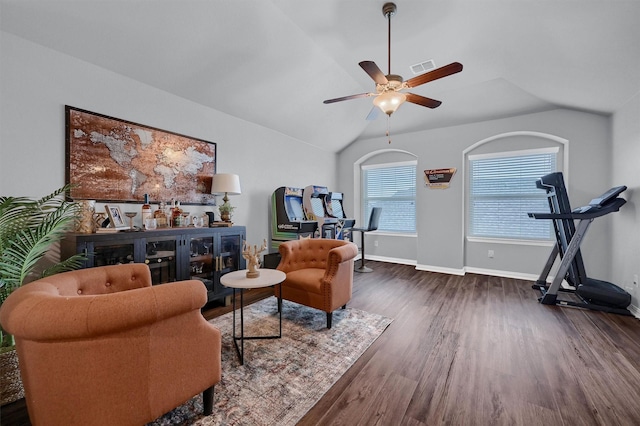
{"x":101,"y":346}
{"x":319,"y":273}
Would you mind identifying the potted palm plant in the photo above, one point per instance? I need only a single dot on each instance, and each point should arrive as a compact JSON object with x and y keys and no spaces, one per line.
{"x":28,"y":228}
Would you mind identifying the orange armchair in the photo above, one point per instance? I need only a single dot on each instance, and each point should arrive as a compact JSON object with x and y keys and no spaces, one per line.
{"x":319,"y":273}
{"x":101,"y":346}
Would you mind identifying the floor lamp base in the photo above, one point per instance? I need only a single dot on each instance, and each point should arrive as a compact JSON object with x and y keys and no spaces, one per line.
{"x":363,"y":269}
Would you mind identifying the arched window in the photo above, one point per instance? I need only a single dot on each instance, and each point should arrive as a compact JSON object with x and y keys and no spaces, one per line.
{"x":500,"y":186}
{"x":391,"y":186}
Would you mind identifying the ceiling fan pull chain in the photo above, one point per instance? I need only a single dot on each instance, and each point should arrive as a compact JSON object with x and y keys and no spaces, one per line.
{"x":389,"y":128}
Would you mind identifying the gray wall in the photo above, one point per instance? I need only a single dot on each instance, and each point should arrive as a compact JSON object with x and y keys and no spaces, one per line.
{"x":37,"y":82}
{"x":440,"y":244}
{"x":625,"y":248}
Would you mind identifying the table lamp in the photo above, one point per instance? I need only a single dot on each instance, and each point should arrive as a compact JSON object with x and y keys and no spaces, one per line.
{"x":226,"y":183}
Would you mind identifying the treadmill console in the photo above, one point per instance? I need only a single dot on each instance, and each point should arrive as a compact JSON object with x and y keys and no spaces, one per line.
{"x":600,"y":201}
{"x":608,"y":196}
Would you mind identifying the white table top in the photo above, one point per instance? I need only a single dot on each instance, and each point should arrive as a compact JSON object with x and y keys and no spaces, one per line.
{"x":238,"y":279}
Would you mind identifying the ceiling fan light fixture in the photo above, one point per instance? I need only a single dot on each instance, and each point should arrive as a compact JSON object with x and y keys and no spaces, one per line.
{"x":388,"y":96}
{"x":389,"y":101}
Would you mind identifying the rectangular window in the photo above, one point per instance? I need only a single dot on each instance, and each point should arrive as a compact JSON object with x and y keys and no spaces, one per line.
{"x":502,"y":190}
{"x":391,"y":186}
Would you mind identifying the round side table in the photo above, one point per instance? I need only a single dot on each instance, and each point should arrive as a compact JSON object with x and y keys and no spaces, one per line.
{"x":238,"y":281}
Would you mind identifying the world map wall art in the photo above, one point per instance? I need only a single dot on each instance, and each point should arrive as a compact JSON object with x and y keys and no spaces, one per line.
{"x":113,"y":160}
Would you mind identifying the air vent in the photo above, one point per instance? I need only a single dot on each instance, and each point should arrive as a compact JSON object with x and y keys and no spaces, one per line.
{"x":423,"y":67}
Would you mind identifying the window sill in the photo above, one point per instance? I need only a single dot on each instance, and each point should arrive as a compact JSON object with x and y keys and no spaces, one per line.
{"x":541,"y":243}
{"x":392,"y":234}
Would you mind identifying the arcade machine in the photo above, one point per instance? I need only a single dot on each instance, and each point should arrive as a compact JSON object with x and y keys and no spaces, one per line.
{"x":287,"y":217}
{"x":333,"y":208}
{"x":313,"y":203}
{"x":590,"y":293}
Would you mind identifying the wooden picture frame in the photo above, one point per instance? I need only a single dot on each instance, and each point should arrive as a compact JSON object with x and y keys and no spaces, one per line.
{"x":116,"y":218}
{"x":113,"y":160}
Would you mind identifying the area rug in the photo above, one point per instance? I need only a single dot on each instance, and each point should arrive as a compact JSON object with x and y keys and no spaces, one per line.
{"x":281,"y":379}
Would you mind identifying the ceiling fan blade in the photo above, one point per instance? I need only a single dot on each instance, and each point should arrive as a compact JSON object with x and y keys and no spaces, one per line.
{"x":421,"y":100}
{"x":373,"y":114}
{"x":434,"y":75}
{"x":374,"y":72}
{"x":346,"y":98}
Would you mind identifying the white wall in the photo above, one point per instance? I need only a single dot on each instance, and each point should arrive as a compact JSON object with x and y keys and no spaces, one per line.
{"x":440,"y":242}
{"x":625,"y":248}
{"x":36,"y":83}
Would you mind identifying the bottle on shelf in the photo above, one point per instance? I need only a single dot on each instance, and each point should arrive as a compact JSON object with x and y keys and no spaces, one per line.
{"x":167,"y":213}
{"x":146,"y":210}
{"x":161,"y":216}
{"x":170,"y":210}
{"x":177,"y":215}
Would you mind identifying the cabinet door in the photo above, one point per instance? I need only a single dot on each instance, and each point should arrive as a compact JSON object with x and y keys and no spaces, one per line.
{"x":202,"y":261}
{"x":228,"y":257}
{"x":103,"y":253}
{"x":229,"y":253}
{"x":160,"y":254}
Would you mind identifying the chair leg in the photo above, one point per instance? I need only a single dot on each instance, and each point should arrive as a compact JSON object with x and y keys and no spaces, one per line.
{"x":363,"y":268}
{"x":329,"y":318}
{"x":344,"y":306}
{"x":207,"y":400}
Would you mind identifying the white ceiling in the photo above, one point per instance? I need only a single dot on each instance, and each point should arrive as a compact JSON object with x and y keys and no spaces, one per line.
{"x":273,"y":62}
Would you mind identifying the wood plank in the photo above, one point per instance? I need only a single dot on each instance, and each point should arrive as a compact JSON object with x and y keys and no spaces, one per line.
{"x":361,"y":392}
{"x":391,"y":402}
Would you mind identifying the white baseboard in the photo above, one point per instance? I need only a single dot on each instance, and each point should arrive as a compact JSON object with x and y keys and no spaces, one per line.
{"x":388,"y":259}
{"x":440,"y":269}
{"x":635,"y":311}
{"x":504,"y":274}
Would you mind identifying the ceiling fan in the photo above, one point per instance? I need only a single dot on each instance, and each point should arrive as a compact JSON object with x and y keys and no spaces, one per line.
{"x":389,"y":95}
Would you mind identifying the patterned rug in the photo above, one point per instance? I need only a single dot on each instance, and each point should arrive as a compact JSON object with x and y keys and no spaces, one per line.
{"x":281,"y":379}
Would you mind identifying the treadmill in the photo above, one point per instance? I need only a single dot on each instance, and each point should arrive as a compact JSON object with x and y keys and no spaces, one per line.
{"x":592,"y":293}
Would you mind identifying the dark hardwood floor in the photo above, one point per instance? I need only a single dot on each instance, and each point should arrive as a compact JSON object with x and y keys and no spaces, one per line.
{"x":475,"y":350}
{"x":478,"y":350}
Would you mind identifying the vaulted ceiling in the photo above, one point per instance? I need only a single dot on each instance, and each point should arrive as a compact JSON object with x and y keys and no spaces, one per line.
{"x":273,"y":62}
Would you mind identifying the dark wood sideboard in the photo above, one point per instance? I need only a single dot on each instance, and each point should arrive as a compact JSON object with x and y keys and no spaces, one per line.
{"x":172,"y":254}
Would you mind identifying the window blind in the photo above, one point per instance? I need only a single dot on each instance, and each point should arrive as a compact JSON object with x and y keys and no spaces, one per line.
{"x":502,"y":190}
{"x":393,"y":188}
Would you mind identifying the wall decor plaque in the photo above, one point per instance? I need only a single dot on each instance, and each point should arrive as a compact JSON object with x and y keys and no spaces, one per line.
{"x":113,"y":160}
{"x":439,"y":178}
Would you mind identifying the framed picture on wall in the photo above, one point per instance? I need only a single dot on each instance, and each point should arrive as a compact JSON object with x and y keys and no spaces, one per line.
{"x":113,"y":160}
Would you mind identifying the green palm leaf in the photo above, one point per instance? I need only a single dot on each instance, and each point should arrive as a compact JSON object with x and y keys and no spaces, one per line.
{"x":27,"y":230}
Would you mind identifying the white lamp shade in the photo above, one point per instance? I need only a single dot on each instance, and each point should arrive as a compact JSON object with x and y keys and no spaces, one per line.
{"x":389,"y":101}
{"x":226,"y":183}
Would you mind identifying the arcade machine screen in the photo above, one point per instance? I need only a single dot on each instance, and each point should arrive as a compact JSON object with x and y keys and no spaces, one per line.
{"x":313,"y":196}
{"x":333,"y":208}
{"x":294,"y":208}
{"x":316,"y":207}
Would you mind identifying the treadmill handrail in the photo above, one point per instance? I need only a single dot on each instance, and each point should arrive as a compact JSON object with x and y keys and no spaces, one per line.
{"x":593,"y":212}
